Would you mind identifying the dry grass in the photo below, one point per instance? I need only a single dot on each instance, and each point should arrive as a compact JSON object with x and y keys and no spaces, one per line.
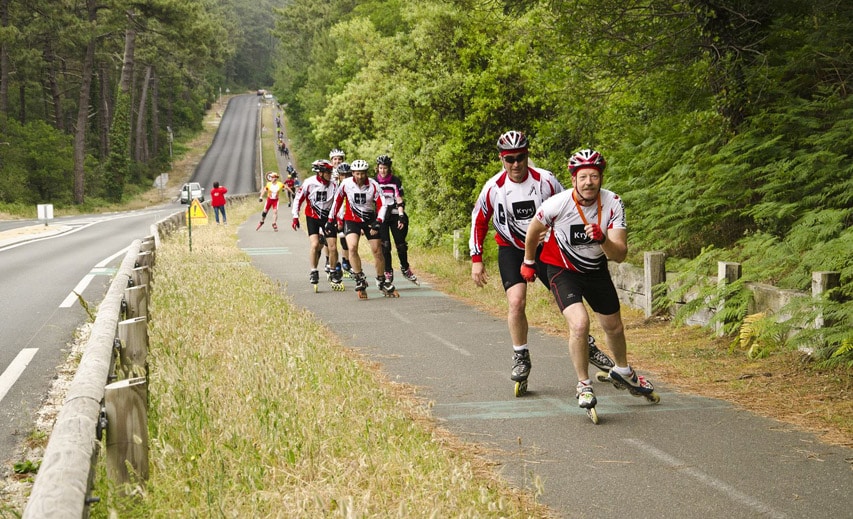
{"x":782,"y":386}
{"x":259,"y":411}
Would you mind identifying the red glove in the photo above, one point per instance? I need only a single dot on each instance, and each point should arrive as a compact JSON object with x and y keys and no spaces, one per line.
{"x":528,"y":271}
{"x":595,"y":234}
{"x":295,"y":224}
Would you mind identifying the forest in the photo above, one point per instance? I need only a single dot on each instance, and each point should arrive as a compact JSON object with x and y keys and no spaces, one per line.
{"x":725,"y":123}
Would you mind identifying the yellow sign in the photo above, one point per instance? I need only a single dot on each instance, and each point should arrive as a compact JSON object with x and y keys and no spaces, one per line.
{"x":196,"y":213}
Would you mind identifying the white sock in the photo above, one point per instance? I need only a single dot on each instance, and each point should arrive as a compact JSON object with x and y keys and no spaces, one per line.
{"x":520,"y":348}
{"x":623,"y":371}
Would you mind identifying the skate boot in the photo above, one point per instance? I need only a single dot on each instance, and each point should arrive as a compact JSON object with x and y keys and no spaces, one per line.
{"x":635,"y":384}
{"x":361,"y":285}
{"x":259,"y":225}
{"x":520,"y":371}
{"x":346,"y":268}
{"x":586,"y":400}
{"x":408,"y":274}
{"x":598,"y":358}
{"x":336,"y":280}
{"x":274,"y":227}
{"x":314,"y":278}
{"x":387,"y":287}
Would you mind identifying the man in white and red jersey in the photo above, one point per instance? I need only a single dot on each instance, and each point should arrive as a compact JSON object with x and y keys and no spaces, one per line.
{"x":509,"y":200}
{"x":584,"y":228}
{"x":319,"y":193}
{"x":364,"y":214}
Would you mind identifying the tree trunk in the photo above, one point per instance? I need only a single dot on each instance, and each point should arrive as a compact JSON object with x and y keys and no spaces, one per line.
{"x":4,"y":60}
{"x":83,"y":111}
{"x":53,"y":87}
{"x":140,"y":154}
{"x":129,"y":49}
{"x":105,"y":111}
{"x":155,"y":119}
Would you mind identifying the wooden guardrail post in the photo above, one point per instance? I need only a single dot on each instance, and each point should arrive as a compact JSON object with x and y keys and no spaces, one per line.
{"x":136,"y":298}
{"x":654,"y":273}
{"x":823,"y":282}
{"x":127,"y":430}
{"x":457,"y":238}
{"x":140,"y":276}
{"x":145,"y":259}
{"x":727,"y":272}
{"x":134,"y":350}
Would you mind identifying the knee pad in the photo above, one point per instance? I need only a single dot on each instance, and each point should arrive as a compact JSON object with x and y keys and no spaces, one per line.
{"x":263,"y":215}
{"x":386,"y":246}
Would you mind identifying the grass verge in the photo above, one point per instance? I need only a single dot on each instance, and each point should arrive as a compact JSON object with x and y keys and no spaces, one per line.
{"x":258,"y":411}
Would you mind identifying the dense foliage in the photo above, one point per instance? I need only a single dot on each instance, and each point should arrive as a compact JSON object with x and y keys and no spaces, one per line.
{"x":726,"y":124}
{"x":89,"y":90}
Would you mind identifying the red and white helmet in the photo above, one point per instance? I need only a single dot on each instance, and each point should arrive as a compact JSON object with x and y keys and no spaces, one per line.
{"x":587,"y":159}
{"x":322,"y":166}
{"x":512,"y":140}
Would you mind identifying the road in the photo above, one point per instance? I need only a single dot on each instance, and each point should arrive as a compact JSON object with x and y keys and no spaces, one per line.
{"x":40,"y":269}
{"x":41,"y":266}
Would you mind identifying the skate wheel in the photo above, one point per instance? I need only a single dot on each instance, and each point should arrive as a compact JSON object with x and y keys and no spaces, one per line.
{"x":603,"y":376}
{"x":520,"y":388}
{"x":593,"y":415}
{"x":316,"y":288}
{"x":361,"y":294}
{"x":653,"y":397}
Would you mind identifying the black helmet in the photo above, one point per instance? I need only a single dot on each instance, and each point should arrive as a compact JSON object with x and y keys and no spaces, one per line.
{"x":383,"y":160}
{"x":344,"y":169}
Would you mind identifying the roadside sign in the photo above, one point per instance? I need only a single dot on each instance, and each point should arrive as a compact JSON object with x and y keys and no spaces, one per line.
{"x":195,"y":213}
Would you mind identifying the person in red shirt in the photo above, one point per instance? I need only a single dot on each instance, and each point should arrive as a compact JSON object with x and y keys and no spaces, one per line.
{"x":217,"y":200}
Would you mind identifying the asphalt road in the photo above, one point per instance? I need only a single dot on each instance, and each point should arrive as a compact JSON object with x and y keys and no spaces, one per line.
{"x":40,"y":269}
{"x":687,"y":456}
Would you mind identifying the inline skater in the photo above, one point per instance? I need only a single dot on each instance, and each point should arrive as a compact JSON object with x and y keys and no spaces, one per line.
{"x":396,"y":221}
{"x":509,"y":200}
{"x":272,"y":190}
{"x":585,"y":228}
{"x":319,"y":192}
{"x":364,"y":213}
{"x":343,"y":172}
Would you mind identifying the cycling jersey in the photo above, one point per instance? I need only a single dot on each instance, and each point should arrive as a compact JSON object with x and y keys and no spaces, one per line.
{"x":319,"y":195}
{"x":510,"y":206}
{"x":567,"y":245}
{"x":392,"y":193}
{"x":363,"y":203}
{"x":273,"y":188}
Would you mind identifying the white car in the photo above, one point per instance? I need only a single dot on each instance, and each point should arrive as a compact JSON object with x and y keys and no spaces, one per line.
{"x":192,"y":190}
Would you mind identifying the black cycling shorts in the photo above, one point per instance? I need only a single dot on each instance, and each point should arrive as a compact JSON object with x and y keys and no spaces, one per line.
{"x":509,"y":264}
{"x":315,"y":226}
{"x":570,"y":287}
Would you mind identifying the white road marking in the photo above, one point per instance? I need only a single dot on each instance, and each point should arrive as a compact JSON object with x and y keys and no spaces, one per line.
{"x":15,"y":369}
{"x":707,"y":480}
{"x":81,"y":286}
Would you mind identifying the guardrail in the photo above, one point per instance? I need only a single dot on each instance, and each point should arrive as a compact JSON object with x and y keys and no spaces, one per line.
{"x":66,"y":475}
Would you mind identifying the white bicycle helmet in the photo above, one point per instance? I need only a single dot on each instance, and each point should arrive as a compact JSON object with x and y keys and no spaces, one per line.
{"x":359,"y":165}
{"x":337,"y":153}
{"x":512,"y":140}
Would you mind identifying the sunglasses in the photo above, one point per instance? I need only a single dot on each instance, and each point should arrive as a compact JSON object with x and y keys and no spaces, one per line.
{"x":512,"y":159}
